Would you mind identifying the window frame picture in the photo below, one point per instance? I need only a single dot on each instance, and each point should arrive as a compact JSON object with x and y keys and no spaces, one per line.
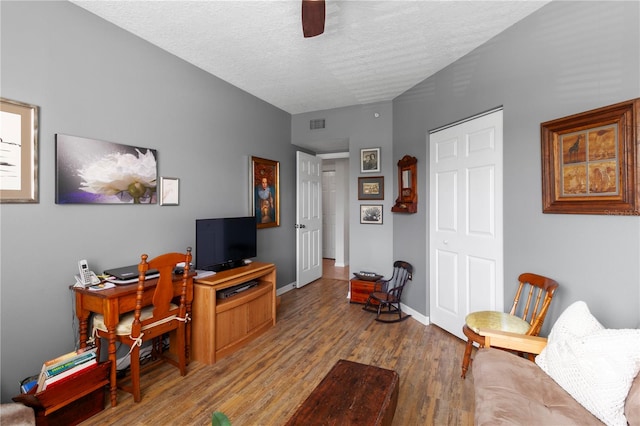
{"x":19,"y":153}
{"x":265,"y":201}
{"x":169,"y":191}
{"x":366,"y":216}
{"x":590,"y":161}
{"x":368,"y":165}
{"x":371,"y":188}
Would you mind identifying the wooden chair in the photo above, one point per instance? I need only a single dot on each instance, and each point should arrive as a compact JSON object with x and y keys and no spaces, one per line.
{"x":153,"y":317}
{"x":390,"y":295}
{"x":526,"y":316}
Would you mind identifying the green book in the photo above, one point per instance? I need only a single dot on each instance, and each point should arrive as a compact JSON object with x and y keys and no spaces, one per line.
{"x":77,"y":360}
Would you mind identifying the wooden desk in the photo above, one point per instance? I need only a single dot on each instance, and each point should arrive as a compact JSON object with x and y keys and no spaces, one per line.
{"x":222,"y":326}
{"x":113,"y":302}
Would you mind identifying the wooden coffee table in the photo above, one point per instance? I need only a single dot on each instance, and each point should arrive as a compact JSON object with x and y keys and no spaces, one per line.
{"x":351,"y":394}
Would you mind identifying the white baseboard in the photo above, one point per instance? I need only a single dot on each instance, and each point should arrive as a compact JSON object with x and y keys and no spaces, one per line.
{"x":282,"y":290}
{"x":416,"y":315}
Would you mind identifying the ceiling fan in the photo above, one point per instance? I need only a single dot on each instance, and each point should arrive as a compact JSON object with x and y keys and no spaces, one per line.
{"x":313,"y":14}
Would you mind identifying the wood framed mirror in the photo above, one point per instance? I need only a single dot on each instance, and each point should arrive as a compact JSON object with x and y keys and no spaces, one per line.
{"x":407,"y":201}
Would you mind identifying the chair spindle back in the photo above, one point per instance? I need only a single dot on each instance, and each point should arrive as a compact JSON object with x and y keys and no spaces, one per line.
{"x":538,"y":292}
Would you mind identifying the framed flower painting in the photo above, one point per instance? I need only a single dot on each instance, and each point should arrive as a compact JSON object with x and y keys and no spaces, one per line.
{"x":90,"y":171}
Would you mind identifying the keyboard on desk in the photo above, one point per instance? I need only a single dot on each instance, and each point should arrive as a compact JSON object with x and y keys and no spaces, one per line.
{"x":117,"y":281}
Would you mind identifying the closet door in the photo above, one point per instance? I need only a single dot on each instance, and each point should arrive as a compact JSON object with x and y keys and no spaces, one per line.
{"x":466,"y":240}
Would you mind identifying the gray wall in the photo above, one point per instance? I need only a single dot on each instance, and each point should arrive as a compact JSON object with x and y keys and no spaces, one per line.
{"x":370,"y":246}
{"x":92,"y":79}
{"x":566,"y":58}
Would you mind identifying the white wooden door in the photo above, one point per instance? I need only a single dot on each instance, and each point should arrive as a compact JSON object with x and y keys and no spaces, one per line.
{"x":308,"y":218}
{"x":466,"y":240}
{"x":329,"y":214}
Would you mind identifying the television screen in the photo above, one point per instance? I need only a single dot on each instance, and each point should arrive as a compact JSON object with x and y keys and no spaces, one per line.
{"x":224,"y":243}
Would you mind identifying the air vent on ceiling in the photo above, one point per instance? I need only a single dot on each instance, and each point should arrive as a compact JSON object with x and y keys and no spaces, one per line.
{"x":317,"y":124}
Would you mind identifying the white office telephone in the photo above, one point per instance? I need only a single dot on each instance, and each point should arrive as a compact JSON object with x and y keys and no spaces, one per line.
{"x":86,"y":276}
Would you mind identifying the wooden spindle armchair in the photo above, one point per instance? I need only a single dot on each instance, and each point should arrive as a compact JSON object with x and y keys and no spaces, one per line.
{"x":527,"y":314}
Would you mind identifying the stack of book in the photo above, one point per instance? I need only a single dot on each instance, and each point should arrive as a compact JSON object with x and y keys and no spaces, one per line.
{"x":65,"y":367}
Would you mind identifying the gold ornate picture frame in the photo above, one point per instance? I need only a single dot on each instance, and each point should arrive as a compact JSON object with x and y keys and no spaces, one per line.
{"x":590,"y":161}
{"x":18,"y":152}
{"x":265,"y":186}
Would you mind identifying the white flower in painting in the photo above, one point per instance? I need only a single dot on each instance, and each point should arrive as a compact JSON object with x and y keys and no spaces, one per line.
{"x":118,"y":173}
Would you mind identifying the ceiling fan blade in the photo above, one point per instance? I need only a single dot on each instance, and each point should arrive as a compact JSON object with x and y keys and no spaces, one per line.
{"x":313,"y":15}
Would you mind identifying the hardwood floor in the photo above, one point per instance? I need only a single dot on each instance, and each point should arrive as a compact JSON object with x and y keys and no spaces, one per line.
{"x":264,"y":382}
{"x":329,"y":270}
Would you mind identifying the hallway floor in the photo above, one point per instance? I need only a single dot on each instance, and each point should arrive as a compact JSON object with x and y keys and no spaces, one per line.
{"x":329,"y":270}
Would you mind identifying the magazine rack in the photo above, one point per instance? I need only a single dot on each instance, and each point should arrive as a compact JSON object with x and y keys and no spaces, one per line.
{"x":72,"y":401}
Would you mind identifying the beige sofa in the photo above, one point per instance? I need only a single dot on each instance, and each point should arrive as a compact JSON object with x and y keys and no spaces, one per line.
{"x":13,"y":414}
{"x":513,"y":390}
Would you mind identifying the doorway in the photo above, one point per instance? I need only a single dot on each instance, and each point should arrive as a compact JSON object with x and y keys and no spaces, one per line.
{"x":465,"y":220}
{"x":335,"y":207}
{"x":333,"y":272}
{"x":329,"y":214}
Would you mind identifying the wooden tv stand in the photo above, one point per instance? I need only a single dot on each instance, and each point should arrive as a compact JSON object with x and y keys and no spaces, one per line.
{"x":222,"y":326}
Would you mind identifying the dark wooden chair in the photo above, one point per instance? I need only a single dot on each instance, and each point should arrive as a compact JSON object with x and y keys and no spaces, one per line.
{"x":527,"y":314}
{"x":152,"y":318}
{"x":387,"y":301}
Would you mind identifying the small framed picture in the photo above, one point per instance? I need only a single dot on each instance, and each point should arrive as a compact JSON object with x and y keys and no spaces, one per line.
{"x":371,"y":188}
{"x":169,"y":191}
{"x":18,"y":152}
{"x":371,"y":214}
{"x":369,"y":160}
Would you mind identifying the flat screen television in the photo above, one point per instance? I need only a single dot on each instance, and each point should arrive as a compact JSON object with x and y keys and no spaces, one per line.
{"x":224,"y":243}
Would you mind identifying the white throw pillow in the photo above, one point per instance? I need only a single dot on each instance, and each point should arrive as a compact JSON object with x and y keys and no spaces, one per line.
{"x":596,"y":366}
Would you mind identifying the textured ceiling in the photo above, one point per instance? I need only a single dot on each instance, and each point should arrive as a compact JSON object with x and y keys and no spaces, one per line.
{"x":371,"y":50}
